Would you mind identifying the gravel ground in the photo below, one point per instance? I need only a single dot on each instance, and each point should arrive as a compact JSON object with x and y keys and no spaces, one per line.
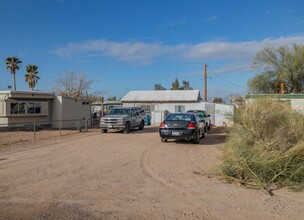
{"x":134,"y":176}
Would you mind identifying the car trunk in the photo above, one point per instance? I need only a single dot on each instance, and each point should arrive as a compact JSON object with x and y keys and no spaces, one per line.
{"x":177,"y":125}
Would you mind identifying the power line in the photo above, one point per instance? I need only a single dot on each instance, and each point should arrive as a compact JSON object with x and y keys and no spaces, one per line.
{"x":219,"y":76}
{"x":228,"y":85}
{"x":213,"y":87}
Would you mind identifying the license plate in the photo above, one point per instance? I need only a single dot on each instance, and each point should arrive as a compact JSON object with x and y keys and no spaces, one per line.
{"x":175,"y":133}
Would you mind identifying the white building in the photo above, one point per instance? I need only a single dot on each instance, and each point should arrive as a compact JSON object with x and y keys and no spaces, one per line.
{"x":20,"y":107}
{"x":158,"y":104}
{"x":296,"y":101}
{"x":68,"y":112}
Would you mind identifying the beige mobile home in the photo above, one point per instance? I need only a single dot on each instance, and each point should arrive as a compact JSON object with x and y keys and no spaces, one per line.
{"x":20,"y":107}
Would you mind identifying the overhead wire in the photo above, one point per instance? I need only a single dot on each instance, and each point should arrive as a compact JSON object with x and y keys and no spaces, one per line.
{"x":213,"y":87}
{"x":230,"y":84}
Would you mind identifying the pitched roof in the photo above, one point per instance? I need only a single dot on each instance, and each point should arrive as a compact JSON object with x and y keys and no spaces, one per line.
{"x":163,"y":96}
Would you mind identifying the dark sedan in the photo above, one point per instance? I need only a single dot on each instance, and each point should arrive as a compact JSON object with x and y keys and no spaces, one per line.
{"x":185,"y":126}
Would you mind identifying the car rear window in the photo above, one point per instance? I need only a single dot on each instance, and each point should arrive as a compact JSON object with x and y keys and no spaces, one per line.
{"x":180,"y":117}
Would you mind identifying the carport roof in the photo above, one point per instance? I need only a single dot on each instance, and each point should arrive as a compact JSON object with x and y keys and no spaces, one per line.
{"x":163,"y":96}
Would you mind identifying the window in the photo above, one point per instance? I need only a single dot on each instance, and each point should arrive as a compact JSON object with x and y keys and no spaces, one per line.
{"x":180,"y":108}
{"x":136,"y":112}
{"x":24,"y":108}
{"x":120,"y":111}
{"x":147,"y":109}
{"x":21,"y":106}
{"x":37,"y":108}
{"x":14,"y":108}
{"x":18,"y":108}
{"x":180,"y":117}
{"x":31,"y":108}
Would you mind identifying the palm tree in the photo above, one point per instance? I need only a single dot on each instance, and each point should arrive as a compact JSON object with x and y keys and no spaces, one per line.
{"x":31,"y":77}
{"x":13,"y":63}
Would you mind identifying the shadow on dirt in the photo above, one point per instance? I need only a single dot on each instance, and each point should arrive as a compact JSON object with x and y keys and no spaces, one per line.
{"x":136,"y":131}
{"x":215,"y":136}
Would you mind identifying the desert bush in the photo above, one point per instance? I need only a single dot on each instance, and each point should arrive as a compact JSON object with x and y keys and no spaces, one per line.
{"x":265,"y":148}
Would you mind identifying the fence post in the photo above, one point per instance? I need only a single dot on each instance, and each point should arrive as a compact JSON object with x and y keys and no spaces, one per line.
{"x":34,"y":130}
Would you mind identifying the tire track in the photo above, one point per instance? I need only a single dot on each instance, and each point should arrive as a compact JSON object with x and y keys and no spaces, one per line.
{"x":144,"y":164}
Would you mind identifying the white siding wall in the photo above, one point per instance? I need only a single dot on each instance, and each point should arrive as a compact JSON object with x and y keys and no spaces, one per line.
{"x":298,"y":104}
{"x":224,"y":115}
{"x":70,"y":109}
{"x":57,"y":111}
{"x":75,"y":109}
{"x":3,"y":122}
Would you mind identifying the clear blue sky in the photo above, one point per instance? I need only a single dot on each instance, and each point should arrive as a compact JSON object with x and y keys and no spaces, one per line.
{"x":131,"y":45}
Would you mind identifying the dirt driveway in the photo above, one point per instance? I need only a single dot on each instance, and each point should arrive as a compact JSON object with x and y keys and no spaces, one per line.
{"x":135,"y":176}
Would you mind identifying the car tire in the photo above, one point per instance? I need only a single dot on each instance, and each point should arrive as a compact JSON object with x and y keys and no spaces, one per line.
{"x":127,"y":128}
{"x":196,"y":139}
{"x":104,"y":130}
{"x":163,"y":140}
{"x":142,"y":125}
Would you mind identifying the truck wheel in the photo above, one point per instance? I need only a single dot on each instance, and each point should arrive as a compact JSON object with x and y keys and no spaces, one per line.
{"x":196,"y":139}
{"x":104,"y":130}
{"x":163,"y":139}
{"x":127,"y":128}
{"x":142,"y":125}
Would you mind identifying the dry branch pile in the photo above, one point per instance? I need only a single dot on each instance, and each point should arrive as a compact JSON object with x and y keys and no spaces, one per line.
{"x":265,"y":148}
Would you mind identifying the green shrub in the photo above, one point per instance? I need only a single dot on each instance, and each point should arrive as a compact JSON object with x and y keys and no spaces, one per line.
{"x":265,"y":148}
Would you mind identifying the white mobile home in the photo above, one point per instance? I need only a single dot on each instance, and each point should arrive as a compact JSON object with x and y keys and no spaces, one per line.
{"x":296,"y":101}
{"x":67,"y":111}
{"x":159,"y":103}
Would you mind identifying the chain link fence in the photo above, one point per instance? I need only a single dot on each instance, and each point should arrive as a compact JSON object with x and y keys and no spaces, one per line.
{"x":18,"y":132}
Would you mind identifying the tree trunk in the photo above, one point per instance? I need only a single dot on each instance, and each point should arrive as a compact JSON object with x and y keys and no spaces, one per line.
{"x":14,"y":81}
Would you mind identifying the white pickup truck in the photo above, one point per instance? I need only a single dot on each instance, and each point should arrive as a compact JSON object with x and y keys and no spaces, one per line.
{"x":204,"y":115}
{"x":123,"y":118}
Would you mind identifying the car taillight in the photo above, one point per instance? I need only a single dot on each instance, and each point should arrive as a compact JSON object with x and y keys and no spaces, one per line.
{"x":191,"y":126}
{"x":162,"y":125}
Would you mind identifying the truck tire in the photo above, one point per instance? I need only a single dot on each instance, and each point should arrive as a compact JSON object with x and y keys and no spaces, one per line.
{"x":142,"y":125}
{"x":163,"y":139}
{"x":196,"y":139}
{"x":104,"y":130}
{"x":127,"y":128}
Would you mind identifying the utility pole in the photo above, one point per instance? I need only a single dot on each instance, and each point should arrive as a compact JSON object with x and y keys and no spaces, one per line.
{"x":205,"y":82}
